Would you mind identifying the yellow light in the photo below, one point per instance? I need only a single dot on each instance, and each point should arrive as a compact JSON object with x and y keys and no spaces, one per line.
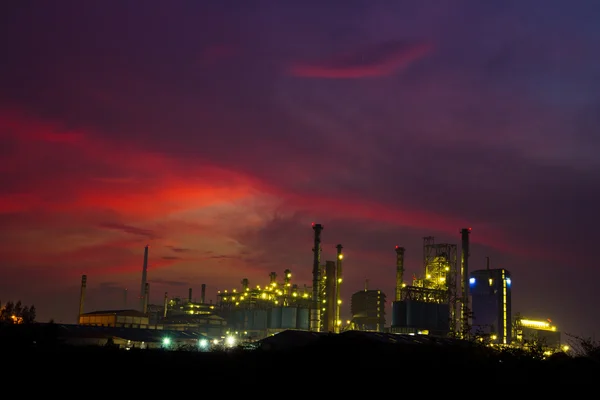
{"x":340,"y":256}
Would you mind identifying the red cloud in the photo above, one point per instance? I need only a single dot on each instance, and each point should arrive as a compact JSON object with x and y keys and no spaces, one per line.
{"x":379,"y":60}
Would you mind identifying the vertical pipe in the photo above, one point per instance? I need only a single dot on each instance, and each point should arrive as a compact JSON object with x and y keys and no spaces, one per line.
{"x":189,"y":295}
{"x":464,"y":274}
{"x":125,"y":299}
{"x":273,"y":278}
{"x":165,"y":305}
{"x":82,"y":295}
{"x":315,"y":318}
{"x":328,"y":319}
{"x":203,"y":294}
{"x":144,"y":277}
{"x":146,"y":297}
{"x":338,"y":294}
{"x":287,"y":286}
{"x":399,"y":272}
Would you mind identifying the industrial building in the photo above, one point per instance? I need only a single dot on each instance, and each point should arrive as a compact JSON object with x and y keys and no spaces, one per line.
{"x":491,"y":304}
{"x":444,"y":301}
{"x":116,"y":319}
{"x":368,"y":310}
{"x":430,"y":304}
{"x":531,"y":332}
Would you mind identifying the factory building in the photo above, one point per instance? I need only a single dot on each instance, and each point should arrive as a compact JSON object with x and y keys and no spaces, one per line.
{"x":115,"y":319}
{"x":530,"y":332}
{"x":264,"y":310}
{"x":368,"y":310}
{"x":491,"y":304}
{"x":429,"y":304}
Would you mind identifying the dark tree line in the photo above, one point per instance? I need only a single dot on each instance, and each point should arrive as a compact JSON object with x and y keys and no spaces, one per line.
{"x":16,"y":313}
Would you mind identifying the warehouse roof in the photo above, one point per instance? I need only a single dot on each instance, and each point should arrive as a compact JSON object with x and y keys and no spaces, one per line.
{"x":133,"y":334}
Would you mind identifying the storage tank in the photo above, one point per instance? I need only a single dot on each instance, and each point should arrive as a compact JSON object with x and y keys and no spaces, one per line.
{"x":289,"y":318}
{"x":275,"y":318}
{"x":303,"y":319}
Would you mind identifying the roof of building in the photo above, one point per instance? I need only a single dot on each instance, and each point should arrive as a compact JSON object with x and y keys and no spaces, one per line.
{"x":292,"y":339}
{"x":126,"y":313}
{"x":190,"y":319}
{"x":133,"y":334}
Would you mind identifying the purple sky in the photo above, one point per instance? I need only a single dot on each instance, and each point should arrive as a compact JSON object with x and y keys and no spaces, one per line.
{"x":217,"y":131}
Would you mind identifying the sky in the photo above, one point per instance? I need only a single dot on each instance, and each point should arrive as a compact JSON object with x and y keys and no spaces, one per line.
{"x":216,"y":132}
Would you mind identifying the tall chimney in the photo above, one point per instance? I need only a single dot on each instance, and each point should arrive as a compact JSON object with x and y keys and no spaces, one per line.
{"x":82,"y":295}
{"x":144,"y":276}
{"x":146,"y":297}
{"x":338,"y":294}
{"x":203,"y":294}
{"x":464,"y":274}
{"x":399,"y":272}
{"x":189,"y":295}
{"x":165,"y":305}
{"x":315,"y":312}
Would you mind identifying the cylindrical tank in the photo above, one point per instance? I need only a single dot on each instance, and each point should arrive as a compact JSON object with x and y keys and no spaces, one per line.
{"x":275,"y":318}
{"x":289,"y":318}
{"x":303,"y":318}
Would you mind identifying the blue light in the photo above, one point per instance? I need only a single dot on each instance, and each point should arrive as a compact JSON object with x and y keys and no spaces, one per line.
{"x":472,"y":281}
{"x":508,"y":281}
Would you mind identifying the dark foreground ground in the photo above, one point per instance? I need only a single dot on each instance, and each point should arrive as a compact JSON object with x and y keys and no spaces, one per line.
{"x":332,"y":366}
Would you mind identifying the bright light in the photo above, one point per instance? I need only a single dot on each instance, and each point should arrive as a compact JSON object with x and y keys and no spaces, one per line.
{"x":472,"y":281}
{"x":166,"y":341}
{"x":508,"y":281}
{"x":203,"y":343}
{"x":230,"y":341}
{"x":340,"y":256}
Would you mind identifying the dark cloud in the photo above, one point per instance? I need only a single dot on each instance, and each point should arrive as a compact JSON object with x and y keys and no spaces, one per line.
{"x":130,"y":229}
{"x":381,"y":59}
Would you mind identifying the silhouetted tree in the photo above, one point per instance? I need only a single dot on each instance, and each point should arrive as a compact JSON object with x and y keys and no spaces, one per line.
{"x":16,"y":313}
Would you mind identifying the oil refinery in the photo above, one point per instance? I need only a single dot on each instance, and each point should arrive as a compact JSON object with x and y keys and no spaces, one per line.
{"x":445,"y":300}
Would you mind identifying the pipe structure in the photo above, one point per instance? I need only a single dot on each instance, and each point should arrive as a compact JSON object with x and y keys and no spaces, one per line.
{"x":165,"y":305}
{"x":245,"y":284}
{"x":146,"y":297}
{"x":273,"y":278}
{"x":315,"y":314}
{"x":189,"y":295}
{"x":144,"y":279}
{"x":287,"y":286}
{"x":399,"y":272}
{"x":82,"y":295}
{"x":328,"y":302}
{"x":464,"y":274}
{"x":338,"y":294}
{"x":203,"y":294}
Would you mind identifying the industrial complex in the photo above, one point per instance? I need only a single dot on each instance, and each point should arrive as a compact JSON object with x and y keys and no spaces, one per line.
{"x":447,"y":300}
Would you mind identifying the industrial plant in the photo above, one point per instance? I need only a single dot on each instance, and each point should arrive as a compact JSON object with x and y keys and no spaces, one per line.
{"x":446,"y":300}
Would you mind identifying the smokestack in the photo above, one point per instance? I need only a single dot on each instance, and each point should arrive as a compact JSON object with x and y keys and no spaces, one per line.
{"x":82,"y":295}
{"x":203,"y":294}
{"x":464,"y":273}
{"x":338,"y":294}
{"x":399,"y":272}
{"x":165,"y":305}
{"x":144,"y":276}
{"x":315,"y":319}
{"x":273,"y":278}
{"x":146,"y":297}
{"x":189,"y":295}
